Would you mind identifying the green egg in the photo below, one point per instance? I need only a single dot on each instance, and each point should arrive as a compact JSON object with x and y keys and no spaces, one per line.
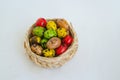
{"x":43,"y":42}
{"x":50,"y":33}
{"x":38,"y":31}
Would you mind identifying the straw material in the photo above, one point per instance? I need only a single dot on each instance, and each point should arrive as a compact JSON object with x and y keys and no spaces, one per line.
{"x":55,"y":61}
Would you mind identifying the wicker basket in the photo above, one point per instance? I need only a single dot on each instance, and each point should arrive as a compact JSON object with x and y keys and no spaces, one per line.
{"x":55,"y":61}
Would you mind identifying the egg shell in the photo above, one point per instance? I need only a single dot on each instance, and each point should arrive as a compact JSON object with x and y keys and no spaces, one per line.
{"x":53,"y":43}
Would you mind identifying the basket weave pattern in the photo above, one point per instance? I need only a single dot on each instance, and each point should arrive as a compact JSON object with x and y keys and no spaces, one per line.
{"x":55,"y":61}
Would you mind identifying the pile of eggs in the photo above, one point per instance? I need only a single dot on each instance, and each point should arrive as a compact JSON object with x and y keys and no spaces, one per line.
{"x":50,"y":38}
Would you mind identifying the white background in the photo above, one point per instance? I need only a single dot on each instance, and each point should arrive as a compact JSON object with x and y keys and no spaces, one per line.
{"x":97,"y":23}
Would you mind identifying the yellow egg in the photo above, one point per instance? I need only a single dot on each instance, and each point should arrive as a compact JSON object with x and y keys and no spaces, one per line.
{"x":61,"y":32}
{"x":51,"y":25}
{"x":49,"y":52}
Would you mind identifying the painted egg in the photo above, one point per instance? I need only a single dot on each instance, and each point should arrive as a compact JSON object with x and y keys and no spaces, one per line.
{"x":51,"y":25}
{"x":53,"y":43}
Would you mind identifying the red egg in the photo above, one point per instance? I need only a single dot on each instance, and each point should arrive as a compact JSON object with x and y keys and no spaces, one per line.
{"x":41,"y":22}
{"x":61,"y":49}
{"x":68,"y":40}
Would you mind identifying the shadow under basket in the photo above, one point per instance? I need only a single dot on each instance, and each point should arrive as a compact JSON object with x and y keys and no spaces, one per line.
{"x":53,"y":62}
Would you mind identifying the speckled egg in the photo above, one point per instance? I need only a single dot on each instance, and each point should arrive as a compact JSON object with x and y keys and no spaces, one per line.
{"x":50,"y":33}
{"x":49,"y":52}
{"x":51,"y":25}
